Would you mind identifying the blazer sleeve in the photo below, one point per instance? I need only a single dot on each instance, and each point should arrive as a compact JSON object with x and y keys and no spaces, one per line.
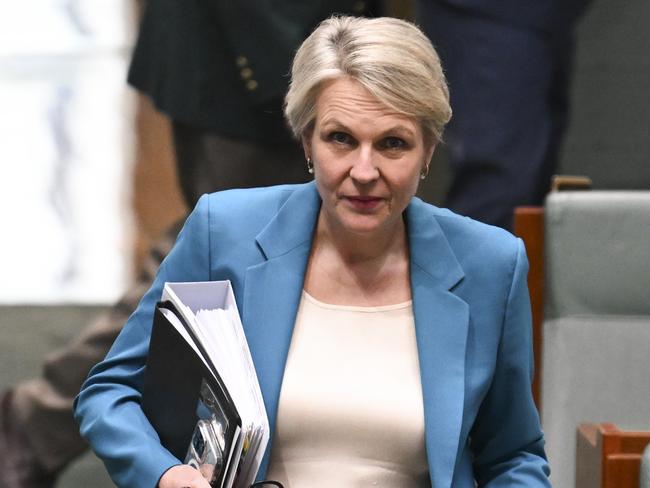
{"x":108,"y":405}
{"x":507,"y":439}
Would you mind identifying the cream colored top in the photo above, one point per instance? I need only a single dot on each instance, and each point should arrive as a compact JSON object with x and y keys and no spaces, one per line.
{"x":350,"y":411}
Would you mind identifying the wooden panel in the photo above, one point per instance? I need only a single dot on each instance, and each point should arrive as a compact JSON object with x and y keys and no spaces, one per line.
{"x":529,"y":225}
{"x":621,"y":471}
{"x":607,"y":457}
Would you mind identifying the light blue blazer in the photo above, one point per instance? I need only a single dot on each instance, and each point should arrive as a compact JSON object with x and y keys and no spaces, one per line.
{"x":472,"y":321}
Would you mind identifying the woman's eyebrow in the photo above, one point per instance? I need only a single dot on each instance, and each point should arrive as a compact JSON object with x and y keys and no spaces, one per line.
{"x":335,"y":123}
{"x":399,"y":129}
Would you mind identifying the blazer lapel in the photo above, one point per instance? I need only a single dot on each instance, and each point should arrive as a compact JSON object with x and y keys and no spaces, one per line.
{"x":272,"y":292}
{"x":441,"y":326}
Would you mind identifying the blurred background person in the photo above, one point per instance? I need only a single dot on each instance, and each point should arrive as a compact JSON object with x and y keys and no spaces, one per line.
{"x":509,"y":66}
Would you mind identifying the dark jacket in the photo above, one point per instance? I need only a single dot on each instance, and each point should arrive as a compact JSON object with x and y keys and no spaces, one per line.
{"x":223,"y":65}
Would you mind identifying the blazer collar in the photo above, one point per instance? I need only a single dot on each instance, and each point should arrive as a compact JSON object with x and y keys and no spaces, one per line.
{"x":294,"y":223}
{"x":272,"y":292}
{"x":441,"y":328}
{"x":428,"y":246}
{"x":272,"y":295}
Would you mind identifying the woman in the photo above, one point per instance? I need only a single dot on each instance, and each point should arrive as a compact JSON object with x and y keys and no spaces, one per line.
{"x":391,"y":338}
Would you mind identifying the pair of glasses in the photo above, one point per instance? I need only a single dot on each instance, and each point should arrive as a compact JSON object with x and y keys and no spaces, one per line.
{"x":262,"y":484}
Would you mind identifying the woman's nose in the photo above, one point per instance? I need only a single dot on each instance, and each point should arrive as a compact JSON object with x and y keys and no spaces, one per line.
{"x":363,"y":168}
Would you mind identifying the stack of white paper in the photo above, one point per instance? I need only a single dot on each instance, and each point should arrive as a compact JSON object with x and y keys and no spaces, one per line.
{"x":210,"y":310}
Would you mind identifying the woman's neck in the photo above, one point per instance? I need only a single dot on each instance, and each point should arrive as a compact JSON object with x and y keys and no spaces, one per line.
{"x":357,"y":248}
{"x":359,"y":269}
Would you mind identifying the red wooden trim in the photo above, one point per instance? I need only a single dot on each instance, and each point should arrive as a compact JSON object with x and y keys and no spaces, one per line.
{"x":529,"y":225}
{"x":609,"y":454}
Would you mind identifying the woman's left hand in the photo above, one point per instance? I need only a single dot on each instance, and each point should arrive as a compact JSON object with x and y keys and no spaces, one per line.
{"x":182,"y":476}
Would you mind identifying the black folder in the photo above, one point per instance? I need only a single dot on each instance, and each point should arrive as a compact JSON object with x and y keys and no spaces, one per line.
{"x":172,"y":386}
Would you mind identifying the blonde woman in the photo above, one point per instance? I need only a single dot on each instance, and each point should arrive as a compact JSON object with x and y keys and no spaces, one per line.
{"x":391,"y":338}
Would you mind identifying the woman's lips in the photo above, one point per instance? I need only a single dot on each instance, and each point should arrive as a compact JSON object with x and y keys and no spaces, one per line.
{"x":364,"y":203}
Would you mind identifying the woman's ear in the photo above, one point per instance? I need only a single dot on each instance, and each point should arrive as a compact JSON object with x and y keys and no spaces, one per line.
{"x":306,"y":145}
{"x":428,"y":154}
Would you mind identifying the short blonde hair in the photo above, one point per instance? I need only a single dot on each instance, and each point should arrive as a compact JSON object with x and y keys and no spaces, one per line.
{"x":391,"y":58}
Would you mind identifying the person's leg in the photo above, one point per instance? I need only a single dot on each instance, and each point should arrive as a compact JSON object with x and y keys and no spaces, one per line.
{"x":209,"y":162}
{"x":563,"y":45}
{"x":505,"y":131}
{"x":42,"y":408}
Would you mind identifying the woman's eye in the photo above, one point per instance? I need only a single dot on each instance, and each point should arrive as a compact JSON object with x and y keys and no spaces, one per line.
{"x":394,"y":143}
{"x":340,"y":137}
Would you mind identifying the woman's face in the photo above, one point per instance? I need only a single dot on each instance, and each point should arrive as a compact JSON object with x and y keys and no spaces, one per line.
{"x":367,"y":159}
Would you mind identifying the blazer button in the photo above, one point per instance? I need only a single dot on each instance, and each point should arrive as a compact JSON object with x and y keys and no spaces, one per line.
{"x":251,"y":85}
{"x":246,"y":73}
{"x":241,"y":61}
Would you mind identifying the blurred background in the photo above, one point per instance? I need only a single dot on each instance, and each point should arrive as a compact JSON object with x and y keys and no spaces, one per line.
{"x":67,"y":132}
{"x":79,"y":147}
{"x":86,"y":164}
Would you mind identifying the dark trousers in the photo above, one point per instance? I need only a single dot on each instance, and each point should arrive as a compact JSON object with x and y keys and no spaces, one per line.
{"x":509,"y":95}
{"x":206,"y":162}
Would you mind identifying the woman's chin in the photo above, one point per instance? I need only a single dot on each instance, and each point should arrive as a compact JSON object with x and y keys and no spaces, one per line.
{"x":365,"y":225}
